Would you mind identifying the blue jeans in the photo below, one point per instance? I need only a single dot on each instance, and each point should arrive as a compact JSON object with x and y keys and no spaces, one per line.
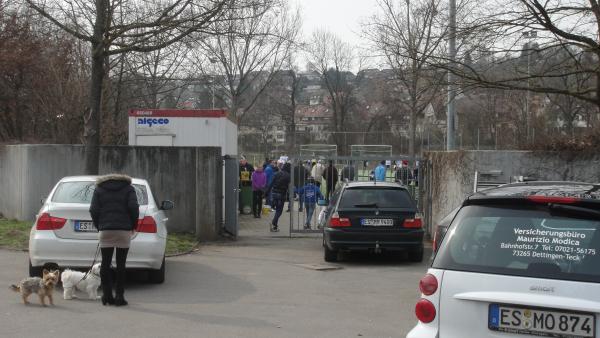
{"x":277,"y":202}
{"x":310,"y":209}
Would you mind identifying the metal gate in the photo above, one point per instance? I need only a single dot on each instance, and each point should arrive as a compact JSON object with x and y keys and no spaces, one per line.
{"x":231,"y":189}
{"x":357,"y":168}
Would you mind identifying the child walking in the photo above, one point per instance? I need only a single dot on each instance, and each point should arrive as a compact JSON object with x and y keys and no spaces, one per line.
{"x":310,"y":194}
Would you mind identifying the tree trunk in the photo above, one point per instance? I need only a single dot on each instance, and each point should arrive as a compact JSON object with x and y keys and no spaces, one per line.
{"x":598,"y":90}
{"x":91,"y":128}
{"x":412,"y":135}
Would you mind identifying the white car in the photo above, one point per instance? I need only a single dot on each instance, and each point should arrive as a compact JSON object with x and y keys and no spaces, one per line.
{"x":520,"y":260}
{"x":63,"y":232}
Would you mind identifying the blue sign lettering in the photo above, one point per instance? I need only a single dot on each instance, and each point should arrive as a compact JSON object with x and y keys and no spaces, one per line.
{"x":151,"y":121}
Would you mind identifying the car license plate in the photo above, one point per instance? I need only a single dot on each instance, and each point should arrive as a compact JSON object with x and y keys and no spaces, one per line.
{"x":541,"y":322}
{"x":377,"y":222}
{"x":85,"y":226}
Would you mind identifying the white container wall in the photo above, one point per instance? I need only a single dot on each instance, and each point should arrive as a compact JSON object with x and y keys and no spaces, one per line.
{"x":183,"y":128}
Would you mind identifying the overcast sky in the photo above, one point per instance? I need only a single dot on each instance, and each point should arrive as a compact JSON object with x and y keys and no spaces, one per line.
{"x":342,"y":17}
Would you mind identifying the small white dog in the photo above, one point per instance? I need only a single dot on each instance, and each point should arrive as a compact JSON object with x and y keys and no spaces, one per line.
{"x":73,"y":280}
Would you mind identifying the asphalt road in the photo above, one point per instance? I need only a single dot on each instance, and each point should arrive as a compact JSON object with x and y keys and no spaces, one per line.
{"x":255,"y":287}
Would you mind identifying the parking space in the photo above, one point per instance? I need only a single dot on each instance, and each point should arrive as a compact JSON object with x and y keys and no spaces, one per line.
{"x":259,"y":286}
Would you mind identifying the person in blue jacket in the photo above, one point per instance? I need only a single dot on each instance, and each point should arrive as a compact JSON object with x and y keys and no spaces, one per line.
{"x":380,"y":172}
{"x":310,"y":194}
{"x":269,"y":172}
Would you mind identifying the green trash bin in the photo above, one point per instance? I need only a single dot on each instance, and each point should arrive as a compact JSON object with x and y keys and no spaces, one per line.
{"x":246,"y":200}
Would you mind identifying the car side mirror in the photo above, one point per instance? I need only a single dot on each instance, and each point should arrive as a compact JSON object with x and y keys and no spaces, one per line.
{"x":167,"y":205}
{"x":43,"y":200}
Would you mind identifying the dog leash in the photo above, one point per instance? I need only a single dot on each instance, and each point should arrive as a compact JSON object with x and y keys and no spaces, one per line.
{"x":96,"y":254}
{"x":93,"y":263}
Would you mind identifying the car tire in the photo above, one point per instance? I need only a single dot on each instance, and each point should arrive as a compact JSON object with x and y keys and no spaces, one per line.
{"x":330,"y":255}
{"x":35,"y":271}
{"x":157,"y":276}
{"x":416,"y":255}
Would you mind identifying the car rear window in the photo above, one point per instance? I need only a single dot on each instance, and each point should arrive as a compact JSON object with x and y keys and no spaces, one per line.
{"x":523,"y":241}
{"x":82,"y":192}
{"x":380,"y":197}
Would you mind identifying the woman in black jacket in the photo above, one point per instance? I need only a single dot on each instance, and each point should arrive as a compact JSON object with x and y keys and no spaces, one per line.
{"x":115,"y":212}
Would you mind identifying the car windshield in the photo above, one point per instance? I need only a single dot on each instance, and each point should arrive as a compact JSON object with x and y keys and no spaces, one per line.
{"x":82,"y":192}
{"x":523,"y":241}
{"x":376,"y":197}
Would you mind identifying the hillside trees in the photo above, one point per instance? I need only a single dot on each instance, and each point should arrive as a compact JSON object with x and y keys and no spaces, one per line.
{"x":42,"y":71}
{"x":247,"y":49}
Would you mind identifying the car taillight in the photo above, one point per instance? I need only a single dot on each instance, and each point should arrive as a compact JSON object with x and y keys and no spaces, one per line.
{"x":552,"y":199}
{"x":47,"y":222}
{"x":337,"y":222}
{"x":146,"y":224}
{"x":415,"y":223}
{"x":428,"y":284}
{"x":425,"y":311}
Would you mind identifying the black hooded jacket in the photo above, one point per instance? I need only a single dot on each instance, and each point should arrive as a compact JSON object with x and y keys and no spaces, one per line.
{"x":114,"y":204}
{"x":281,"y":180}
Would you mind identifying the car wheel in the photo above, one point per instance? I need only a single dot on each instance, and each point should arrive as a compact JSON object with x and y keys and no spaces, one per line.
{"x":416,"y":255}
{"x":35,"y":271}
{"x":330,"y":255}
{"x":157,"y":276}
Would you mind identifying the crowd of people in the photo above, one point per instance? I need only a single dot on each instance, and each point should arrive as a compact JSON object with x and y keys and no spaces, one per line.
{"x":270,"y":183}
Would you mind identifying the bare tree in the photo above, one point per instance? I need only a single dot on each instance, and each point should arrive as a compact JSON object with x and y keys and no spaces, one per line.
{"x":409,"y":35}
{"x":159,"y":72}
{"x":249,"y":48}
{"x":334,"y":60}
{"x":113,"y":27}
{"x":279,"y":102}
{"x":508,"y":35}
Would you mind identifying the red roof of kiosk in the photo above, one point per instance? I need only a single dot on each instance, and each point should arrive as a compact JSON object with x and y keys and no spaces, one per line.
{"x":178,"y":112}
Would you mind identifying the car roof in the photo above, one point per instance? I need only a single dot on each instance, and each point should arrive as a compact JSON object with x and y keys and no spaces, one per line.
{"x":374,"y":184}
{"x":580,"y":190}
{"x":93,"y":178}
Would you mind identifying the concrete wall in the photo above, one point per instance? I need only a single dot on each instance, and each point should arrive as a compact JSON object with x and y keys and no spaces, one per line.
{"x":191,"y":177}
{"x":452,"y":173}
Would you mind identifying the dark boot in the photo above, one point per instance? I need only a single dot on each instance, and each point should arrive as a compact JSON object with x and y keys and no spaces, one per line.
{"x":107,"y":295}
{"x":106,"y":277}
{"x":121,"y":276}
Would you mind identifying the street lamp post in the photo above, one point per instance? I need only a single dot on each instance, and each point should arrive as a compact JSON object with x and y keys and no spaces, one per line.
{"x":212,"y":89}
{"x":212,"y":80}
{"x":451,"y":113}
{"x":529,"y":35}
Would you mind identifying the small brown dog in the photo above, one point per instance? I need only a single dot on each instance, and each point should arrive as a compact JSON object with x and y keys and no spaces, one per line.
{"x":42,"y":286}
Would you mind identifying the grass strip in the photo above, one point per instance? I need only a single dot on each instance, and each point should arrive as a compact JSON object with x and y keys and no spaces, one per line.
{"x":178,"y":243}
{"x":14,"y":235}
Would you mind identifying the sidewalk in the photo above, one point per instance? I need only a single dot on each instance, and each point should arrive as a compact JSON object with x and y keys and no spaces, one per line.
{"x":260,"y":227}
